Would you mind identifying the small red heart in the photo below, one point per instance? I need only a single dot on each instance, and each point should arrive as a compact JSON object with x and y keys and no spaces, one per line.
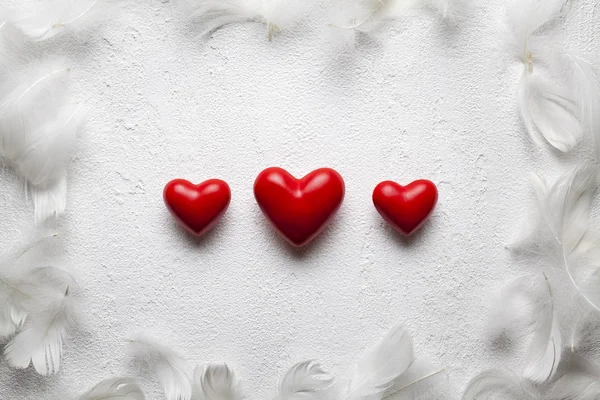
{"x":299,"y":208}
{"x":405,"y":207}
{"x":197,"y":207}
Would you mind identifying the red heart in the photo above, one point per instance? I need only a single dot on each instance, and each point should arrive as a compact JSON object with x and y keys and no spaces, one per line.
{"x":405,"y":207}
{"x":197,"y":207}
{"x":299,"y":208}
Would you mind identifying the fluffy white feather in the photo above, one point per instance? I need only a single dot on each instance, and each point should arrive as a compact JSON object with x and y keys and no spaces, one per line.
{"x":381,"y":365}
{"x":43,"y":19}
{"x":25,"y":284}
{"x":216,"y":382}
{"x":40,"y":341}
{"x":368,"y":15}
{"x":564,"y":209}
{"x":580,"y":382}
{"x":549,"y":109}
{"x":587,"y":85}
{"x":26,"y":292}
{"x":576,"y":387}
{"x":526,"y":306}
{"x":515,"y":310}
{"x":567,"y":205}
{"x":277,"y":15}
{"x":420,"y":378}
{"x":115,"y":389}
{"x":498,"y":384}
{"x":38,"y":132}
{"x":583,"y":267}
{"x":545,"y":350}
{"x":169,"y":367}
{"x":304,"y":381}
{"x":526,"y":18}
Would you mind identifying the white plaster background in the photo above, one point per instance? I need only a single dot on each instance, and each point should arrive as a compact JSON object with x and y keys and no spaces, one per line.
{"x":422,"y":101}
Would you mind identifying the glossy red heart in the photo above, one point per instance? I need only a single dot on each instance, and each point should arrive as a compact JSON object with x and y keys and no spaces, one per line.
{"x":405,"y":207}
{"x":299,"y":208}
{"x":197,"y":207}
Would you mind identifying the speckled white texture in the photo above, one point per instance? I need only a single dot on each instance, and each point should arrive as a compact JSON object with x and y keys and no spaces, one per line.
{"x":421,"y":101}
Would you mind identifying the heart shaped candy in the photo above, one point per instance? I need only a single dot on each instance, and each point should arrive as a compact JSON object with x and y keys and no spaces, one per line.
{"x":406,"y":208}
{"x":197,"y":207}
{"x":299,"y":208}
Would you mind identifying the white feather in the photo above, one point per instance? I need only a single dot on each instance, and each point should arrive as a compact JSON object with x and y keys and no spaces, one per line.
{"x":419,"y":379}
{"x":38,"y":133}
{"x":527,"y":306}
{"x":381,"y":365}
{"x":526,"y":17}
{"x":304,"y":381}
{"x":520,"y":302}
{"x":40,"y":341}
{"x":564,"y":209}
{"x":576,"y":387}
{"x":24,"y":282}
{"x":587,"y":84}
{"x":26,"y":292}
{"x":494,"y":382}
{"x":168,"y":366}
{"x":448,"y":9}
{"x":115,"y":389}
{"x":216,"y":382}
{"x":567,"y":205}
{"x":545,"y":350}
{"x":583,"y":268}
{"x":368,"y":15}
{"x":567,"y":210}
{"x":580,"y":382}
{"x":277,"y":15}
{"x":549,"y":109}
{"x":44,"y":19}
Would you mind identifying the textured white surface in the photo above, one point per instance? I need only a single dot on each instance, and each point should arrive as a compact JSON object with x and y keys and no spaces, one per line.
{"x":421,"y":101}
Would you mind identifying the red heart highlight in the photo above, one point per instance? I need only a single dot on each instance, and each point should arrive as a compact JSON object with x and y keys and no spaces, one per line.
{"x":299,"y":208}
{"x":406,"y":208}
{"x":197,"y":208}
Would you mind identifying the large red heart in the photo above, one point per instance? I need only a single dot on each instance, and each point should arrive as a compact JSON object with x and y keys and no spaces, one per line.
{"x":299,"y":208}
{"x":197,"y":207}
{"x":405,"y":207}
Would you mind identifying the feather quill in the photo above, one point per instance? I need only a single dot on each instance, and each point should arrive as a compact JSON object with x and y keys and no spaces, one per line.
{"x":40,"y":341}
{"x":545,"y":350}
{"x":38,"y":133}
{"x":168,"y":366}
{"x":277,"y":15}
{"x":115,"y":389}
{"x":40,"y":20}
{"x":526,"y":306}
{"x":565,"y":211}
{"x":381,"y":365}
{"x":547,"y":107}
{"x":216,"y":382}
{"x":420,"y":378}
{"x":498,"y":383}
{"x":526,"y":19}
{"x":587,"y":84}
{"x":304,"y":381}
